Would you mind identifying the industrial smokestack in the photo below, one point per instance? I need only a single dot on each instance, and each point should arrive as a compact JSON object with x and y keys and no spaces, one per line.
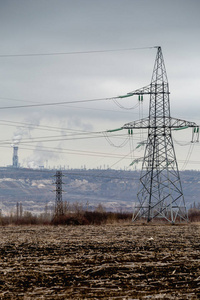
{"x":15,"y":157}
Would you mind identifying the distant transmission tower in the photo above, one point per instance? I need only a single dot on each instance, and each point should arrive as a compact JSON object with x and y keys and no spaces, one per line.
{"x":160,"y":193}
{"x":59,"y":202}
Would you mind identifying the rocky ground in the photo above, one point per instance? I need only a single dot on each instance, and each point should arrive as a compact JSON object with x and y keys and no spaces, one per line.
{"x":100,"y":262}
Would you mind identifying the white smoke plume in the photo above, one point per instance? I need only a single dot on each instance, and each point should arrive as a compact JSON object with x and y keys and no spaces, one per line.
{"x":25,"y":131}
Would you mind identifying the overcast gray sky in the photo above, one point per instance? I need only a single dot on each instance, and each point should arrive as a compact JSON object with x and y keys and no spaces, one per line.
{"x":48,"y":26}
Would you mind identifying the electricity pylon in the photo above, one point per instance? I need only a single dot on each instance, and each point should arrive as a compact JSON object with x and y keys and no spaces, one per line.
{"x":59,"y":190}
{"x":160,"y":192}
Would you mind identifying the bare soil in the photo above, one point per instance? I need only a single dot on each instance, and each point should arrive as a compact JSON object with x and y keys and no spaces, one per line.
{"x":100,"y":262}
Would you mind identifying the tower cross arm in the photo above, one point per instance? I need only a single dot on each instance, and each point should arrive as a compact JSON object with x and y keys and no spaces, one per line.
{"x":161,"y":122}
{"x":147,"y":90}
{"x":181,"y":124}
{"x":138,"y":124}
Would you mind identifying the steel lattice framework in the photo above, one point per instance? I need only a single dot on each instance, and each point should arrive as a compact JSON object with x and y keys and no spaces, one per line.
{"x":59,"y":202}
{"x":160,"y":192}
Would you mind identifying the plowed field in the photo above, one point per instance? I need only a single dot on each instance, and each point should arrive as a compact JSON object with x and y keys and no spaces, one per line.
{"x":100,"y":262}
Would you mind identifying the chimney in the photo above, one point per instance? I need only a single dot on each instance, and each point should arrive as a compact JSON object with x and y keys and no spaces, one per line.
{"x":15,"y":157}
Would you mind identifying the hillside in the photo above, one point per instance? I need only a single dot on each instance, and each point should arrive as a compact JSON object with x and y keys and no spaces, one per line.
{"x":115,"y":190}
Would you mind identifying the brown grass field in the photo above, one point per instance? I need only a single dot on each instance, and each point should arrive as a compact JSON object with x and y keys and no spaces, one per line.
{"x":100,"y":262}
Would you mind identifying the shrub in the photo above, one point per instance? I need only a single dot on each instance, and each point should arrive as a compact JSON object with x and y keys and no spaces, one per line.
{"x":194,"y":215}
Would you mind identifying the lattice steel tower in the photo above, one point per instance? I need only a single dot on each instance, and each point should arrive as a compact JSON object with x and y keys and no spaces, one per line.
{"x":160,"y":192}
{"x":59,"y":202}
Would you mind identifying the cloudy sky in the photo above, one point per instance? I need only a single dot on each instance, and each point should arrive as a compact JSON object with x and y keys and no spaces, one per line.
{"x":80,"y":31}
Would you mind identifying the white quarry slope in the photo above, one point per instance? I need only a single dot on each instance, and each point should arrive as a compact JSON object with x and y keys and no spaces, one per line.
{"x":114,"y":190}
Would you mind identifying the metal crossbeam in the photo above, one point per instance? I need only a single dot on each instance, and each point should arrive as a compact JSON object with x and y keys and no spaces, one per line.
{"x":168,"y":122}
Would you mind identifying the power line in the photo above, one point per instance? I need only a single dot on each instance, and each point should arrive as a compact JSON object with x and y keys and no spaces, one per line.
{"x":65,"y":102}
{"x":75,"y":134}
{"x":70,"y":151}
{"x":74,"y":52}
{"x":85,"y":153}
{"x":56,"y":103}
{"x":18,"y":100}
{"x":44,"y":127}
{"x":75,"y":107}
{"x":61,"y":138}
